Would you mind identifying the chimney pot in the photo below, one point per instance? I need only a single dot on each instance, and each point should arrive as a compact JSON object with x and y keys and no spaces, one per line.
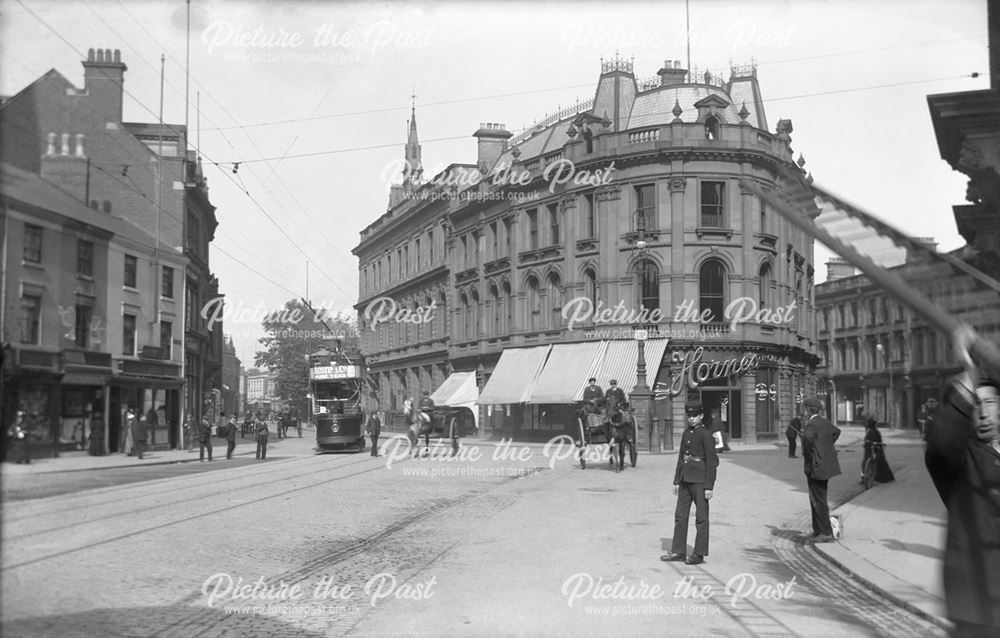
{"x":90,"y":55}
{"x":65,"y":144}
{"x":51,"y":150}
{"x":118,"y":56}
{"x":79,"y":145}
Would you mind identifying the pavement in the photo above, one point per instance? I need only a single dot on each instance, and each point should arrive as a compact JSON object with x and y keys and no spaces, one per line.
{"x":893,"y":534}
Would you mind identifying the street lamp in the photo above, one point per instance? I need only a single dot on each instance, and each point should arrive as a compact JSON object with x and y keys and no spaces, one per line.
{"x":641,"y":243}
{"x":888,"y":364}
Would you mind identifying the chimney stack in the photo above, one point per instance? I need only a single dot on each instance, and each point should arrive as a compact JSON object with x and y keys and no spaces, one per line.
{"x":839,"y":268}
{"x":103,"y":79}
{"x":492,"y":138}
{"x":671,"y":73}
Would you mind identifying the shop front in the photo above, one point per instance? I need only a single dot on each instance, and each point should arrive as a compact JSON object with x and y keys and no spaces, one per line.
{"x":153,"y":390}
{"x":31,"y":388}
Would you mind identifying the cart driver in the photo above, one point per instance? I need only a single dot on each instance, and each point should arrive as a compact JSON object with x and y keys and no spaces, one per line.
{"x":592,"y":391}
{"x":614,"y":397}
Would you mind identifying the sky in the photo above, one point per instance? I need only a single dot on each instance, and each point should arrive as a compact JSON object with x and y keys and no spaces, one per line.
{"x":312,"y":100}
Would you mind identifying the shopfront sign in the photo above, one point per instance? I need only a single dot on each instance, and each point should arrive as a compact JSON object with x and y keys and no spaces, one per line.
{"x":694,"y":371}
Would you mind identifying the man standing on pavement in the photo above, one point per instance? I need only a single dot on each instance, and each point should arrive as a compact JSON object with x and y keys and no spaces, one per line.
{"x":792,"y":433}
{"x":205,"y":439}
{"x":261,"y":438}
{"x":374,"y":429}
{"x":963,"y":459}
{"x":230,"y":436}
{"x":818,"y":438}
{"x":128,"y":436}
{"x":694,"y":481}
{"x":139,"y":436}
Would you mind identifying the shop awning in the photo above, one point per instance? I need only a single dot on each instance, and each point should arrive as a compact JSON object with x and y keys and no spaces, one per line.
{"x":566,"y":372}
{"x":620,"y":359}
{"x":85,"y":378}
{"x":513,"y":379}
{"x":459,"y":391}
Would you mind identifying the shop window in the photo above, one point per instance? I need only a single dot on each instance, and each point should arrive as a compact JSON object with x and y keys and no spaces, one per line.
{"x":711,"y":289}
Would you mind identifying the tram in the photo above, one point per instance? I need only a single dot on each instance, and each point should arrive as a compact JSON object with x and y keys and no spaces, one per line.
{"x":335,"y":384}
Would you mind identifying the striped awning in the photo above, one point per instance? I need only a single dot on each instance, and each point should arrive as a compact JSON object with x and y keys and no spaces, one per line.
{"x":567,"y":370}
{"x":513,"y":379}
{"x":620,"y":360}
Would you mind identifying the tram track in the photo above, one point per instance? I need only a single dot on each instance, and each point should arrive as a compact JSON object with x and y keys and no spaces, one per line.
{"x":38,"y":536}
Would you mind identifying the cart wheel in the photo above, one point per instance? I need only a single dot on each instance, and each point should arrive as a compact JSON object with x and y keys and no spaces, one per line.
{"x":583,"y":461}
{"x":633,"y":453}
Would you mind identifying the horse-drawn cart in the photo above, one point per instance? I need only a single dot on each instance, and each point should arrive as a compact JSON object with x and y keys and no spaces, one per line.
{"x":613,"y":427}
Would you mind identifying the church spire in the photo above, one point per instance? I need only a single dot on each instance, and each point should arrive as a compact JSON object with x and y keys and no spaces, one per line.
{"x":414,"y":169}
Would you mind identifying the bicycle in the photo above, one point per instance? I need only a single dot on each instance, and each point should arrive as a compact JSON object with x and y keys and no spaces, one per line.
{"x":868,"y":469}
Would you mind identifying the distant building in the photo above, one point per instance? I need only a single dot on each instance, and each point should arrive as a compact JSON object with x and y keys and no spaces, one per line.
{"x":232,"y":392}
{"x":632,"y":199}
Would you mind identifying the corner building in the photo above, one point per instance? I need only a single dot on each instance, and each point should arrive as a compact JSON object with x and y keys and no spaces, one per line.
{"x":629,"y":203}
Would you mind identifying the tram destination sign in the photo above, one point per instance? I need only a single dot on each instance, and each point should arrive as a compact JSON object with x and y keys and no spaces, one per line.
{"x":321,"y":373}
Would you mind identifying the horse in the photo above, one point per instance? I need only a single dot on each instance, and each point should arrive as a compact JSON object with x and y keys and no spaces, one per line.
{"x":421,"y":424}
{"x":619,"y":424}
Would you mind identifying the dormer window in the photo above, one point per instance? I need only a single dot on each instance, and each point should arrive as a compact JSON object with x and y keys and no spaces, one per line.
{"x":711,"y":128}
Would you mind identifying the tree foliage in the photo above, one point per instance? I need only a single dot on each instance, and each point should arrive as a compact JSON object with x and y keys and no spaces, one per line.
{"x":292,"y":333}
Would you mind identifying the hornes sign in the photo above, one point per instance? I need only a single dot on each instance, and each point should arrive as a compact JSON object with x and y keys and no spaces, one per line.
{"x":693,"y":371}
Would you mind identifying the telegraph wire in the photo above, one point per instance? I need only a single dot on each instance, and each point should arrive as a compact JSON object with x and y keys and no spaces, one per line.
{"x":172,"y":128}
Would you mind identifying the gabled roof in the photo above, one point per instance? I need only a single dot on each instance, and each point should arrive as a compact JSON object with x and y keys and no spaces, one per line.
{"x":50,"y":74}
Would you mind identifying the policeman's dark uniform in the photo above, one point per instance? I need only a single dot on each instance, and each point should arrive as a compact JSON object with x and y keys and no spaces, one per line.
{"x":697,"y":463}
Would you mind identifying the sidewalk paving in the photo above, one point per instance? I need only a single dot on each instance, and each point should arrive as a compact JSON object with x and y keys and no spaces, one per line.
{"x":80,"y":461}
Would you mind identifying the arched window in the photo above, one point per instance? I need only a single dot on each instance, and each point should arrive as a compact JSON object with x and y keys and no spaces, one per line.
{"x":508,"y":302}
{"x":534,"y":308}
{"x":462,"y":316}
{"x":764,"y":285}
{"x":474,"y":315}
{"x":591,"y":280}
{"x":555,"y":301}
{"x":711,"y":128}
{"x":495,"y":310}
{"x":711,"y":289}
{"x":648,"y":284}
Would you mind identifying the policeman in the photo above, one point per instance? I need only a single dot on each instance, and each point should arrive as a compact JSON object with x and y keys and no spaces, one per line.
{"x":694,"y":480}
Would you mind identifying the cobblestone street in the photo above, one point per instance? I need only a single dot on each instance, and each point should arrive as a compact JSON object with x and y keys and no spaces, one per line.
{"x":465,"y":547}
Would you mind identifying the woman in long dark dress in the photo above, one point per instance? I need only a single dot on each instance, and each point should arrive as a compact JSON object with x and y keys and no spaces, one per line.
{"x":883,"y":473}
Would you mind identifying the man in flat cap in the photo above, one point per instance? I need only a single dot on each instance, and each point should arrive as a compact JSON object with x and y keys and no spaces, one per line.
{"x":614,"y":397}
{"x":818,"y":438}
{"x":694,"y":480}
{"x":592,"y":391}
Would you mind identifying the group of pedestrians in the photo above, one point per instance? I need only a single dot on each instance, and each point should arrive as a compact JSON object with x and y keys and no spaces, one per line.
{"x":203,"y":434}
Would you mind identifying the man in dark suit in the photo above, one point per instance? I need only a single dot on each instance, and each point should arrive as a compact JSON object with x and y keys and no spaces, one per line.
{"x":592,"y":391}
{"x":374,"y":429}
{"x":614,"y":398}
{"x":792,"y":434}
{"x":230,"y":428}
{"x":818,"y":438}
{"x":963,"y":459}
{"x":694,"y":481}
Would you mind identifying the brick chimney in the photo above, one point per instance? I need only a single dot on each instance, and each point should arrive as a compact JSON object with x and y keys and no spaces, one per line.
{"x":492,"y":143}
{"x":103,"y":79}
{"x":671,"y":73}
